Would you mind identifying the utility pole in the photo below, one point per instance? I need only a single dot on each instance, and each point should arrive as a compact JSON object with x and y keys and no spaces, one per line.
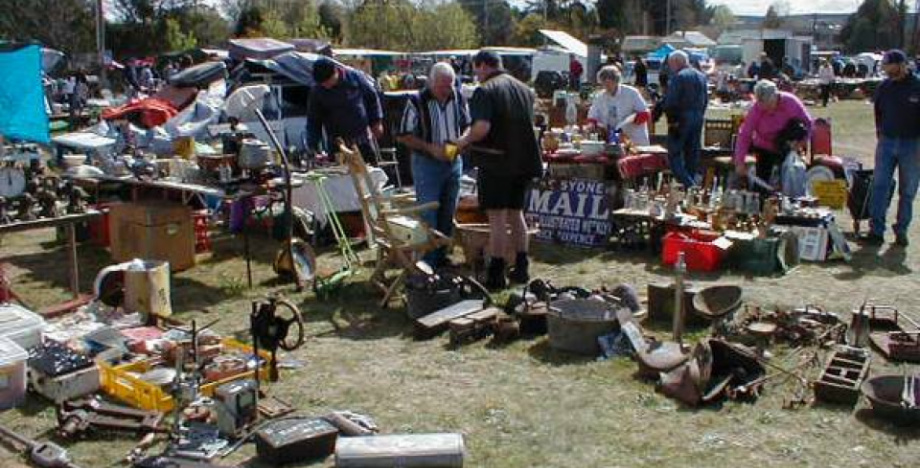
{"x":485,"y":15}
{"x":100,"y":41}
{"x":667,"y":26}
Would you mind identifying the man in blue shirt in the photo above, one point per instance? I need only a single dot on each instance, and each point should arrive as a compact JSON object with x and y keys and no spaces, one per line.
{"x":345,"y":104}
{"x":685,"y":105}
{"x":897,"y":124}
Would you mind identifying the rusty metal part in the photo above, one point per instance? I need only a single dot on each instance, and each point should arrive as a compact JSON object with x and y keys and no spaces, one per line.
{"x":346,"y":426}
{"x":78,"y":416}
{"x":274,"y":407}
{"x":42,"y":454}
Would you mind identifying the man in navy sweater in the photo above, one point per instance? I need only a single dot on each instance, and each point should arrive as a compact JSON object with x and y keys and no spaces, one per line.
{"x":897,"y":124}
{"x":345,"y":104}
{"x":685,"y":105}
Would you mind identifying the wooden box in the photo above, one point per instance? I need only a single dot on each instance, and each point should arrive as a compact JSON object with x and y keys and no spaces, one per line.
{"x":661,"y":304}
{"x":153,"y":231}
{"x":842,"y":378}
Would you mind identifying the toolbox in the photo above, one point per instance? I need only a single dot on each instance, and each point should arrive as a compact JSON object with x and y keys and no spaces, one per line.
{"x":58,"y":373}
{"x":295,"y":439}
{"x":842,"y":377}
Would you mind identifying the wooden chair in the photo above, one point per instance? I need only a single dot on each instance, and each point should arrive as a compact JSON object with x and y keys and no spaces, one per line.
{"x":400,"y":237}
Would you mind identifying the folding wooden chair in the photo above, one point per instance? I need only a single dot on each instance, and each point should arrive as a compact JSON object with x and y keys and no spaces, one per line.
{"x":400,"y":237}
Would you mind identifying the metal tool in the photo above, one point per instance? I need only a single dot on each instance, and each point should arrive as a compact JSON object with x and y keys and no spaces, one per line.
{"x":679,"y":270}
{"x":908,"y":393}
{"x":271,"y":331}
{"x":88,"y":414}
{"x":288,"y":248}
{"x":42,"y":454}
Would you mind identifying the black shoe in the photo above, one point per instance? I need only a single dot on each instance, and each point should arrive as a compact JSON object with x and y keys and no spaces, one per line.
{"x":900,"y":240}
{"x":519,"y":273}
{"x":873,"y":239}
{"x":495,"y":275}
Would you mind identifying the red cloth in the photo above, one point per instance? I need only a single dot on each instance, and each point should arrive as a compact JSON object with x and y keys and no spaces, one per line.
{"x":642,"y":164}
{"x":642,"y":117}
{"x":575,"y":68}
{"x":147,"y":113}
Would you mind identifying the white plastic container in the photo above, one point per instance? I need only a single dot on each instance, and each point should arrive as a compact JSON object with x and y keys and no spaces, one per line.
{"x":13,"y":361}
{"x":21,"y":325}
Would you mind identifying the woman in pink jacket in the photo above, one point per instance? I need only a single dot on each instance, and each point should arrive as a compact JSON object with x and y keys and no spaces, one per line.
{"x":765,"y":125}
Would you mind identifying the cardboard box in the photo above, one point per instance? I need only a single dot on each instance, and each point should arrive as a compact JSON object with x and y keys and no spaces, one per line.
{"x":153,"y":231}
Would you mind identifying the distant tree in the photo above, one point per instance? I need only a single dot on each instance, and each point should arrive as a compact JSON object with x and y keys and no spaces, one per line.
{"x":66,"y":25}
{"x":874,"y":26}
{"x":722,"y":17}
{"x":248,"y":21}
{"x":772,"y":19}
{"x":204,"y":23}
{"x":273,"y":25}
{"x":176,"y":39}
{"x":445,"y":26}
{"x":402,"y":25}
{"x":332,"y":17}
{"x":495,"y":19}
{"x":527,"y":32}
{"x":281,"y":19}
{"x":611,"y":14}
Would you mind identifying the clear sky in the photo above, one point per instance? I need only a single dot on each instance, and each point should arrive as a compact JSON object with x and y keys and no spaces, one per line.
{"x":759,"y":7}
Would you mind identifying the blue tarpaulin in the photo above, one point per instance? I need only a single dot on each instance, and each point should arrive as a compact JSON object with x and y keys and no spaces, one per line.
{"x":22,"y":97}
{"x":662,"y":52}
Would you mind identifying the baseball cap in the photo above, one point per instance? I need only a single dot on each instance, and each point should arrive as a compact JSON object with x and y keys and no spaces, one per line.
{"x":323,"y":69}
{"x":894,"y":56}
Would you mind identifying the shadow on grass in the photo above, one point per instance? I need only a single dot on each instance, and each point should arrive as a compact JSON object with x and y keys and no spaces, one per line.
{"x":903,"y":432}
{"x":867,"y":261}
{"x":543,"y":352}
{"x":254,"y":462}
{"x":52,"y":265}
{"x":561,"y":254}
{"x":354,"y":313}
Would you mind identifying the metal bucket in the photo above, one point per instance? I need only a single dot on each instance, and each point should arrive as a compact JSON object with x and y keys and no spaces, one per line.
{"x":574,"y":325}
{"x":886,"y":394}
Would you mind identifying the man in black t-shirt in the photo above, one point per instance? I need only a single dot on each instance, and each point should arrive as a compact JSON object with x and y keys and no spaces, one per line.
{"x":508,"y":157}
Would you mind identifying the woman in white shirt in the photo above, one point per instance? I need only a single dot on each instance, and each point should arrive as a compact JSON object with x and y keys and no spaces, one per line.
{"x":826,"y":78}
{"x":619,"y":106}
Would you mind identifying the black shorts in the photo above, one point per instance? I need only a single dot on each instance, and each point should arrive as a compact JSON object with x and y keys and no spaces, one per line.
{"x":502,"y":192}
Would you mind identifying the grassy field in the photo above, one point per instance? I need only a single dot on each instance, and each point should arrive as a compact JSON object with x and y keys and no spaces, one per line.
{"x":523,"y":404}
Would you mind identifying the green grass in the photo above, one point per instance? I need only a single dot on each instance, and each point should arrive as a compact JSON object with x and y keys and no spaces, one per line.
{"x":523,"y":404}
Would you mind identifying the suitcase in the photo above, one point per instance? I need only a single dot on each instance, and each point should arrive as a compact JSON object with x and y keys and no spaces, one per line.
{"x":290,"y":440}
{"x":860,"y":195}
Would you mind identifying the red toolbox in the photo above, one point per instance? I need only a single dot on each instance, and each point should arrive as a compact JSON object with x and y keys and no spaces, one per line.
{"x":700,"y":251}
